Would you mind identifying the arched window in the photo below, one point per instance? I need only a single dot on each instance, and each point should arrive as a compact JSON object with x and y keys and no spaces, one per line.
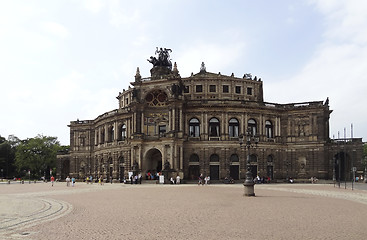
{"x":252,"y":126}
{"x":194,"y":127}
{"x":82,"y":140}
{"x":102,"y":135}
{"x":270,"y":159}
{"x":253,"y":158}
{"x":97,"y":138}
{"x":269,"y":129}
{"x":233,"y":127}
{"x":194,"y":158}
{"x":123,"y":132}
{"x":214,"y":158}
{"x":234,"y":158}
{"x":214,"y":127}
{"x":111,"y":133}
{"x":110,"y":161}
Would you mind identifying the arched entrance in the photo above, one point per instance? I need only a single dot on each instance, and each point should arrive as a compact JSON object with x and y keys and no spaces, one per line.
{"x":194,"y":168}
{"x":253,"y":165}
{"x":153,"y":162}
{"x":342,"y":164}
{"x":234,"y":168}
{"x":214,"y":167}
{"x":65,"y":169}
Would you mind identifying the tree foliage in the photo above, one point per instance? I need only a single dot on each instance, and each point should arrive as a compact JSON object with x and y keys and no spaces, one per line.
{"x":7,"y":157}
{"x":37,"y":155}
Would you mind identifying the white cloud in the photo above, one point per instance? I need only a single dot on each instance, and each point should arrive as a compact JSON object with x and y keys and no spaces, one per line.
{"x":65,"y":90}
{"x":56,"y":29}
{"x":94,"y":6}
{"x":337,"y":69}
{"x":122,"y":14}
{"x":346,"y":20}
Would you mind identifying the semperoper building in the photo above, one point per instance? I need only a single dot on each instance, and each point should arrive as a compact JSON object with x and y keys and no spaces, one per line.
{"x":193,"y":125}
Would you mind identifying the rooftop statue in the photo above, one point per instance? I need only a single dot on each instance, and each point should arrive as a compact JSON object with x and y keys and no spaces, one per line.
{"x":163,"y":58}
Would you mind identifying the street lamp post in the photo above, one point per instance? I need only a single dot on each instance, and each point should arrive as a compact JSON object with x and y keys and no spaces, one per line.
{"x":251,"y":141}
{"x":334,"y":176}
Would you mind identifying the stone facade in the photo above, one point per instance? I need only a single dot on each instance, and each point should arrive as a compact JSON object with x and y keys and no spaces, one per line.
{"x":193,"y":125}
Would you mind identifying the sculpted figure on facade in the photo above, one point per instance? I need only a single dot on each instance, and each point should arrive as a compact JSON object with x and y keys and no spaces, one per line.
{"x":163,"y":59}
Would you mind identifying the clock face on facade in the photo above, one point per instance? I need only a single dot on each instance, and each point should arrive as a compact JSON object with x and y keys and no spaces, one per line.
{"x":156,"y":98}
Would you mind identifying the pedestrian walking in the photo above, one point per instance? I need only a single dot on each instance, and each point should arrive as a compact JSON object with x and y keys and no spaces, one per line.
{"x":52,"y":181}
{"x":68,"y":181}
{"x":136,"y":179}
{"x":72,"y":181}
{"x":200,"y":179}
{"x":100,"y":180}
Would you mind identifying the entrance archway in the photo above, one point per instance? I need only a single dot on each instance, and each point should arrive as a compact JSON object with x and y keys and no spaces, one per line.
{"x":234,"y":171}
{"x":342,"y":164}
{"x":153,"y":161}
{"x":65,"y":169}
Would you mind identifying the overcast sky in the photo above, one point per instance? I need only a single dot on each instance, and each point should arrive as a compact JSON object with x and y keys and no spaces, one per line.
{"x":63,"y":60}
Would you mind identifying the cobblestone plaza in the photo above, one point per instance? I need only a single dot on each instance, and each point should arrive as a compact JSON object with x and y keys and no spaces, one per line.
{"x":187,"y":211}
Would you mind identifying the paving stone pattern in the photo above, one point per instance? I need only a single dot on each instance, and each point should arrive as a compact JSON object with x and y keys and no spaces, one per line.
{"x":149,"y":211}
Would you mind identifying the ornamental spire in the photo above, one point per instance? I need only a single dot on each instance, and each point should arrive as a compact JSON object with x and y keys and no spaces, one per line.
{"x":137,"y":75}
{"x":175,"y":70}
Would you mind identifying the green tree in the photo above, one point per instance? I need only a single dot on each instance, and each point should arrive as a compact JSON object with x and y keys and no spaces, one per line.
{"x":7,"y":156}
{"x":37,"y":155}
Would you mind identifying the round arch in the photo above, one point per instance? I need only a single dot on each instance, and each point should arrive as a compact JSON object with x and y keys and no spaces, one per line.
{"x":152,"y":161}
{"x":342,"y":164}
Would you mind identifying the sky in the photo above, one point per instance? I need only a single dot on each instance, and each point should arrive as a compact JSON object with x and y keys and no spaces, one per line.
{"x":66,"y":60}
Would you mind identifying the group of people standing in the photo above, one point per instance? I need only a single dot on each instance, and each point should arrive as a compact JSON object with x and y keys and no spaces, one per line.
{"x":68,"y":180}
{"x":177,"y":181}
{"x":203,"y":180}
{"x":152,"y":175}
{"x":259,"y":179}
{"x":135,"y":179}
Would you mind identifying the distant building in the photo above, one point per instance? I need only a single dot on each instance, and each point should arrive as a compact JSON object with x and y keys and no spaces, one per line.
{"x":193,"y":125}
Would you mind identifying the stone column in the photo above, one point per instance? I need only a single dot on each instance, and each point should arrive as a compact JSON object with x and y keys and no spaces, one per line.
{"x":174,"y":119}
{"x":170,"y":119}
{"x":181,"y":159}
{"x":181,"y":121}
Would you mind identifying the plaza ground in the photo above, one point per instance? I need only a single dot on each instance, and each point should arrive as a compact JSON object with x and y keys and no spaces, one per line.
{"x":187,"y":211}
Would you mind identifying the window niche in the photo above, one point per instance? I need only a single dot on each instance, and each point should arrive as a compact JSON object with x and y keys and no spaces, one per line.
{"x":194,"y":127}
{"x":214,"y":129}
{"x":238,"y":89}
{"x":199,"y":88}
